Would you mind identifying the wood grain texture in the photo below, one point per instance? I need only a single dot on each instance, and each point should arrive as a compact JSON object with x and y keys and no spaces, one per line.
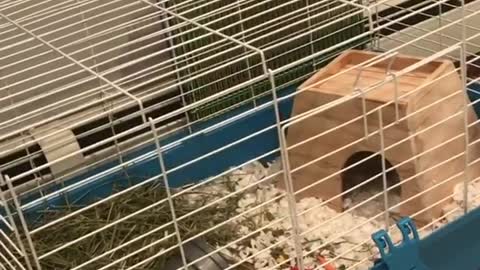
{"x":339,"y":131}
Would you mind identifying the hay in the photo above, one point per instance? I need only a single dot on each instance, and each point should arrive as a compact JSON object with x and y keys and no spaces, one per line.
{"x":133,"y":227}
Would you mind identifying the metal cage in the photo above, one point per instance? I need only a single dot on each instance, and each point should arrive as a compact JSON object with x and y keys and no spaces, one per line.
{"x":168,"y":134}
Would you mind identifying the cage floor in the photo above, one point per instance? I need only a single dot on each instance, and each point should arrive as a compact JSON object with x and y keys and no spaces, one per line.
{"x":265,"y":229}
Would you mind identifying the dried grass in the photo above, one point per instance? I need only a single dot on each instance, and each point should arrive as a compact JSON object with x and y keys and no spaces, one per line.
{"x":134,"y":227}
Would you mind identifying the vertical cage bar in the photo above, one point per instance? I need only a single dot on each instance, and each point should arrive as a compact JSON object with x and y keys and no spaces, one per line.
{"x":23,"y":222}
{"x":463,"y":71}
{"x":15,"y":230}
{"x":170,"y":38}
{"x":287,"y":177}
{"x":245,"y":50}
{"x":384,"y":170}
{"x":169,"y":195}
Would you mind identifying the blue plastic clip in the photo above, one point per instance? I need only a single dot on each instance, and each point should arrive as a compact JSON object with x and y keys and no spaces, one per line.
{"x":404,"y":256}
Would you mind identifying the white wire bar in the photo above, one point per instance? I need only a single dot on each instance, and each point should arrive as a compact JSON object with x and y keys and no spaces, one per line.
{"x":110,"y":74}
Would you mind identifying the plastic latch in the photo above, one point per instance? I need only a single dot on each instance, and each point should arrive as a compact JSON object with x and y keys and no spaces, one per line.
{"x":404,"y":256}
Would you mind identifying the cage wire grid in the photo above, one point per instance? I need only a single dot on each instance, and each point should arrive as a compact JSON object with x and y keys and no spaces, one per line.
{"x":142,"y":71}
{"x":56,"y":117}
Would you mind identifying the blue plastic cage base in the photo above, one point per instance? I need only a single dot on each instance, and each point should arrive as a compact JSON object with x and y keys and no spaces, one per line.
{"x":455,"y":246}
